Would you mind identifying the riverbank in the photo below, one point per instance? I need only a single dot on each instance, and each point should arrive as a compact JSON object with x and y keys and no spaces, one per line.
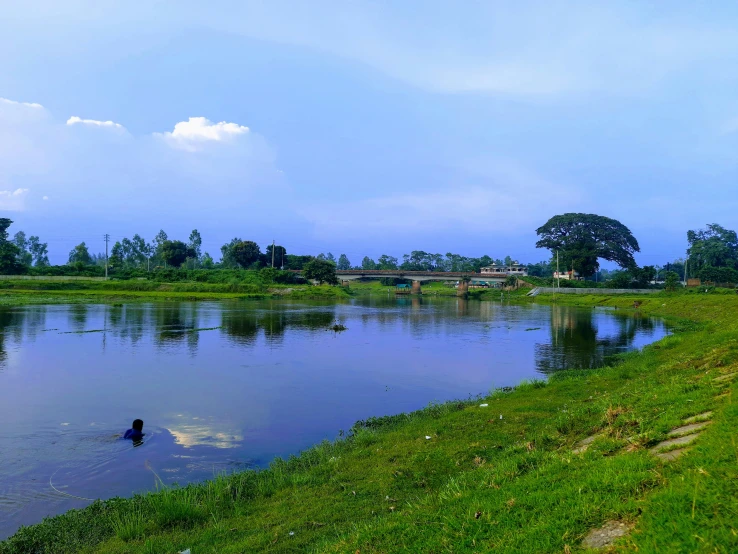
{"x":458,"y":477}
{"x":116,"y":292}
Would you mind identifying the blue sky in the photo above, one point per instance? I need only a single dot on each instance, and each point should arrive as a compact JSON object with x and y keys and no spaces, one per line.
{"x":367,"y":127}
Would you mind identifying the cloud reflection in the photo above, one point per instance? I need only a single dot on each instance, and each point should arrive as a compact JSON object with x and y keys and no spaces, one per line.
{"x":193,"y":431}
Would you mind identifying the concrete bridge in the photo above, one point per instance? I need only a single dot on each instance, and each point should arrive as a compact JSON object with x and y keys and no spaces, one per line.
{"x":418,"y":277}
{"x":421,"y":276}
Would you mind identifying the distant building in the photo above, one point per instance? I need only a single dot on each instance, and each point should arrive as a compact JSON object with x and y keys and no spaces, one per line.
{"x":567,"y":275}
{"x":514,"y":269}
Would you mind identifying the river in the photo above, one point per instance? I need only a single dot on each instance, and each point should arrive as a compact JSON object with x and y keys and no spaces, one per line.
{"x":223,"y":386}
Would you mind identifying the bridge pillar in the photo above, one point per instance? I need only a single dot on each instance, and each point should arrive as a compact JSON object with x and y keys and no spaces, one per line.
{"x":463,"y":288}
{"x":416,"y":288}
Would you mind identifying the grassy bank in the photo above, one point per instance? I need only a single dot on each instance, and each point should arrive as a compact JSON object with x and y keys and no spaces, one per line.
{"x":20,"y":293}
{"x":460,"y":477}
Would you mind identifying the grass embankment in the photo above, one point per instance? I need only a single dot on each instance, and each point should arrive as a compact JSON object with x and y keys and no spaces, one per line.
{"x":69,"y":292}
{"x":479,"y":483}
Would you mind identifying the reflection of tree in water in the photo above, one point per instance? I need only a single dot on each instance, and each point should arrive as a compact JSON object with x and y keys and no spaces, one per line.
{"x":243,"y":326}
{"x":10,"y":320}
{"x":575,"y":343}
{"x":176,"y":324}
{"x":77,"y":315}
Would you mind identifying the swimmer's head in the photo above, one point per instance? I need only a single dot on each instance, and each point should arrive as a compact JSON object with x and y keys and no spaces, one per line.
{"x":138,"y":424}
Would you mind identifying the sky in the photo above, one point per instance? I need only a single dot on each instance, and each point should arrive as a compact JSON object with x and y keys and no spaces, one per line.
{"x":367,"y":127}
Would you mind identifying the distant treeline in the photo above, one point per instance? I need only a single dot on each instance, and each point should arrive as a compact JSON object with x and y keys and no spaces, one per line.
{"x":712,"y":256}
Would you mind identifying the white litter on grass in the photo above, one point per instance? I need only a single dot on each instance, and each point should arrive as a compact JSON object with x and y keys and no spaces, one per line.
{"x":483,"y":405}
{"x":500,"y":416}
{"x":427,"y":437}
{"x":186,"y":551}
{"x":292,"y":533}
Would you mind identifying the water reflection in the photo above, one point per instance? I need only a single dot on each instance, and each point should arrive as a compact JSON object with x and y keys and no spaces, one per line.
{"x":227,"y":384}
{"x":581,"y":340}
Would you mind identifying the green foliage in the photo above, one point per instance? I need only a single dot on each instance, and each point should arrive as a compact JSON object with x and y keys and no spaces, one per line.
{"x":368,"y":264}
{"x":175,"y":252}
{"x":80,"y":255}
{"x":343,"y":262}
{"x":718,"y":274}
{"x":246,"y":253}
{"x":386,"y":262}
{"x":714,"y":247}
{"x":280,"y":256}
{"x":9,"y":252}
{"x":584,"y":238}
{"x":322,"y":271}
{"x":671,"y":280}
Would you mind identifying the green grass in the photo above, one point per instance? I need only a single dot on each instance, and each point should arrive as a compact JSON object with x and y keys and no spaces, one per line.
{"x":121,"y":291}
{"x":480,"y":483}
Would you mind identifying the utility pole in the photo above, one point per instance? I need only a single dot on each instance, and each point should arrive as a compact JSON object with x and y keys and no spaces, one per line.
{"x":558,"y":275}
{"x":272,"y":253}
{"x":107,"y":238}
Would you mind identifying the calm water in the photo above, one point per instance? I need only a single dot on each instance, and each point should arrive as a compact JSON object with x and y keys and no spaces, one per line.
{"x":223,"y":386}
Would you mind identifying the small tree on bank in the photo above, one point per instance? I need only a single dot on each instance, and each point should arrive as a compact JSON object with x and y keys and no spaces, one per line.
{"x":322,"y":271}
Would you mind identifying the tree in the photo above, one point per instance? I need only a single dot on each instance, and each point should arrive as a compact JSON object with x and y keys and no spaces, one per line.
{"x":368,"y":264}
{"x":671,"y":280}
{"x":195,"y":244}
{"x":584,"y":238}
{"x":157,"y":244}
{"x":39,"y":251}
{"x":175,"y":252}
{"x":280,"y":255}
{"x":207,"y":261}
{"x":80,"y":255}
{"x":718,"y":274}
{"x":386,"y":262}
{"x":331,"y":258}
{"x":227,"y":259}
{"x":8,"y":250}
{"x":714,"y":246}
{"x":343,"y":262}
{"x":25,"y":258}
{"x":322,"y":271}
{"x":246,"y":253}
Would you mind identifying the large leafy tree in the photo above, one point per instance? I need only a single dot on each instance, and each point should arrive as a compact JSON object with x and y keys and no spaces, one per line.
{"x":80,"y":255}
{"x":581,"y":239}
{"x":714,"y":246}
{"x":8,"y":250}
{"x":322,"y":271}
{"x":246,"y":253}
{"x":175,"y":252}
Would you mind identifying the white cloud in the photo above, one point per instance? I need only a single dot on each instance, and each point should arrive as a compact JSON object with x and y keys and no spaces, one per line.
{"x":89,"y":174}
{"x":13,"y":200}
{"x":192,"y":134}
{"x":32,"y":105}
{"x":74,"y":120}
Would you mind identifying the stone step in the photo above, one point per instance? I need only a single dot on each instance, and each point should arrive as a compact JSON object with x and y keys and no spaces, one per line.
{"x":698,"y":417}
{"x":688,"y":429}
{"x":686,"y":439}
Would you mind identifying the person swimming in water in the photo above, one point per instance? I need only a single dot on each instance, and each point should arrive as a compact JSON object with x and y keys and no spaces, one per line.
{"x":135,"y":433}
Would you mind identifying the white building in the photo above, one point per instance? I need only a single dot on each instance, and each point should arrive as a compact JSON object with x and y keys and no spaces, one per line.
{"x":514,"y":269}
